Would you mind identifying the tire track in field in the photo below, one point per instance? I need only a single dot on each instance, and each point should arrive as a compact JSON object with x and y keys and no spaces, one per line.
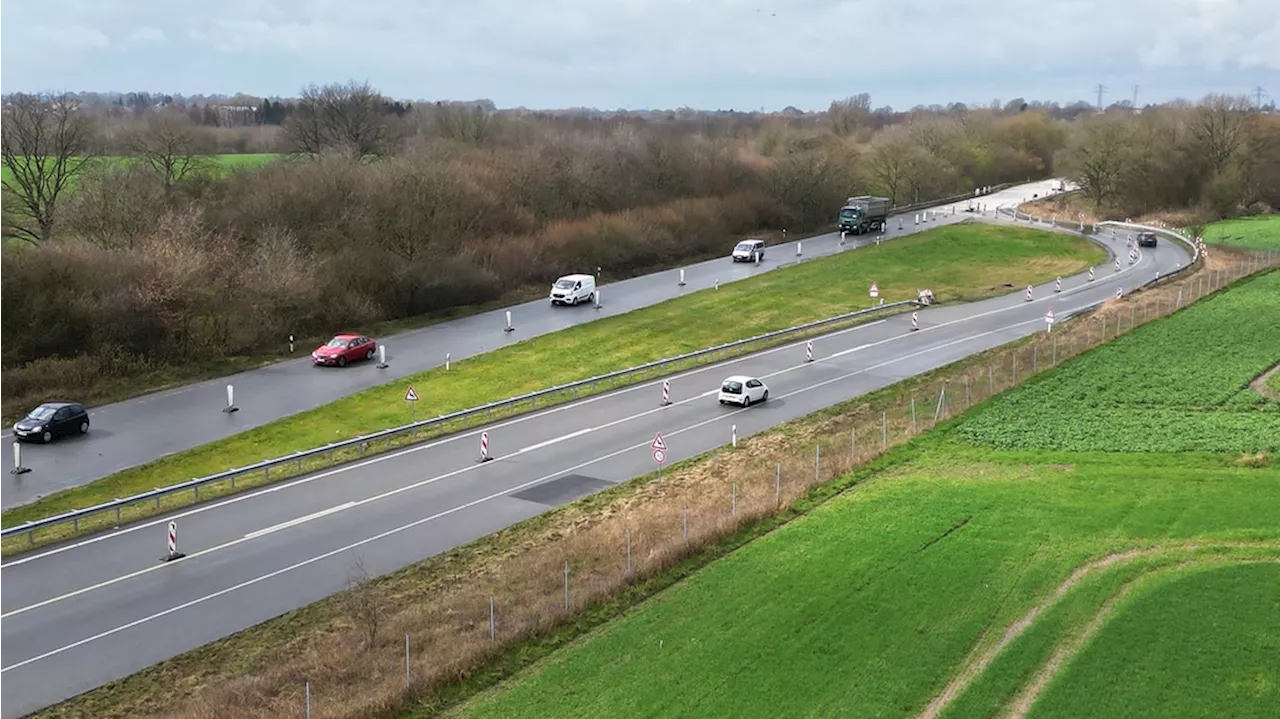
{"x":973,"y":665}
{"x":1067,"y":651}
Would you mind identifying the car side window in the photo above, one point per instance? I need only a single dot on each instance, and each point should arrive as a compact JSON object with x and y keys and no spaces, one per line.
{"x":753,"y":384}
{"x":63,"y":413}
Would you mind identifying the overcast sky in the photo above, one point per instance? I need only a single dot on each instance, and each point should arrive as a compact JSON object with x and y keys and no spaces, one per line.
{"x":743,"y":54}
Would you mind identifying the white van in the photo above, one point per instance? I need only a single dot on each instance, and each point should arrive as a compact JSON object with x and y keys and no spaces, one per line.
{"x":572,"y":289}
{"x":748,"y":251}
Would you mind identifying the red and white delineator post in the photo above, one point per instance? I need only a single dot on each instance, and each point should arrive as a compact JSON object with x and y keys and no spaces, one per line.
{"x":173,"y":552}
{"x":915,"y":321}
{"x":484,"y":447}
{"x":808,"y":352}
{"x":666,"y":392}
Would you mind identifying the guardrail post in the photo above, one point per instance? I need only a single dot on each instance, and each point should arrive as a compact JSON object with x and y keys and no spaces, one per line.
{"x":17,"y":460}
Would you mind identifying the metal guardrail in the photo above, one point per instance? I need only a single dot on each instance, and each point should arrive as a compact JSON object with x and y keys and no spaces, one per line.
{"x":361,"y":443}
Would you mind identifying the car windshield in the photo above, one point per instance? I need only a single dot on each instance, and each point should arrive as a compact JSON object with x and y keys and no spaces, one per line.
{"x":745,"y":246}
{"x":337,"y":342}
{"x":42,"y":413}
{"x":732,"y":387}
{"x":568,"y":284}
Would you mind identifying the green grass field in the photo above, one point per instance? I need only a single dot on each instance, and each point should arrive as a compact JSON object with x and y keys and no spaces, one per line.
{"x":958,"y":262}
{"x":1251,"y":233}
{"x":1138,"y":667}
{"x":955,"y":585}
{"x":219,"y":163}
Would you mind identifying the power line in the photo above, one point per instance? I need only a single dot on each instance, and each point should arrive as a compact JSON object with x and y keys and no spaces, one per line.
{"x":1135,"y":96}
{"x":1258,"y":92}
{"x":1101,"y":90}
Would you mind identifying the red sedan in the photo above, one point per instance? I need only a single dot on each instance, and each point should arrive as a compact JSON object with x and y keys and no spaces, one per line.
{"x":343,"y":349}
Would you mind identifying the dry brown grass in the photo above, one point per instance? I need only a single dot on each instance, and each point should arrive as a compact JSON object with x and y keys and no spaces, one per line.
{"x":1068,"y":207}
{"x":443,"y":602}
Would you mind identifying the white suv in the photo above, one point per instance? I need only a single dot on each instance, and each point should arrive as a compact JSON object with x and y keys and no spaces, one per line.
{"x":748,"y":251}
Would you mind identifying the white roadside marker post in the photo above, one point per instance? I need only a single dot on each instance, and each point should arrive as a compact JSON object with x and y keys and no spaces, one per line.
{"x":231,"y":400}
{"x":17,"y":460}
{"x":509,"y":327}
{"x":382,"y":357}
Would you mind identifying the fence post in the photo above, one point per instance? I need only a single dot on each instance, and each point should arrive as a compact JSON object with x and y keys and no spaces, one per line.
{"x":1054,"y":360}
{"x":1015,"y":367}
{"x":817,"y":461}
{"x":991,"y":379}
{"x":884,"y":430}
{"x":966,"y":392}
{"x":913,"y":414}
{"x":628,"y":556}
{"x":853,"y":443}
{"x":308,"y":690}
{"x":406,"y":660}
{"x":1035,"y":358}
{"x":492,"y":632}
{"x":686,"y":525}
{"x":733,"y":506}
{"x":566,"y":586}
{"x":777,"y":487}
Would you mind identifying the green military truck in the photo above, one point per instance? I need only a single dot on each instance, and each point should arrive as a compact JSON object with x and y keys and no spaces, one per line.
{"x":863,"y":214}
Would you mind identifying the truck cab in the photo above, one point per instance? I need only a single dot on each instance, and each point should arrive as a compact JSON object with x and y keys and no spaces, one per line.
{"x":863,"y":213}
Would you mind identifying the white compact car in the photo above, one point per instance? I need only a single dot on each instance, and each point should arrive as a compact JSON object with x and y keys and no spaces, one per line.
{"x":748,"y":251}
{"x":572,"y":289}
{"x":743,"y":390}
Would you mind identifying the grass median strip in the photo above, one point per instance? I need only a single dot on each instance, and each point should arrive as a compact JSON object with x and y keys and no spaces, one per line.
{"x":959,"y":262}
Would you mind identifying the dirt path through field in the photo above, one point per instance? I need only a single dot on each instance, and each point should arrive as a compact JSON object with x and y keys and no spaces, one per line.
{"x":1259,"y":385}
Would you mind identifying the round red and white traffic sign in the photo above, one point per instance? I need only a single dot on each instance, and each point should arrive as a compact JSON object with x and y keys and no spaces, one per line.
{"x":659,"y":456}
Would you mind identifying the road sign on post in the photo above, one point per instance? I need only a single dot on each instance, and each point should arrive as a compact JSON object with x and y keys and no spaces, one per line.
{"x":412,"y":398}
{"x":659,"y":446}
{"x":658,"y":442}
{"x":1048,"y":320}
{"x":875,"y":290}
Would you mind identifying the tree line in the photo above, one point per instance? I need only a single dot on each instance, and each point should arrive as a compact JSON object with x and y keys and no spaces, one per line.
{"x":120,"y":268}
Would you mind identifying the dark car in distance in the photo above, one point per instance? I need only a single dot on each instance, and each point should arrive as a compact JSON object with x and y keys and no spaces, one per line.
{"x":344,"y":348}
{"x":1146,"y":239}
{"x":52,"y":419}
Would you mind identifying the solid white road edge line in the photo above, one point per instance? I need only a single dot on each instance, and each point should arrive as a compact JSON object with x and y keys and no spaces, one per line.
{"x":524,"y":418}
{"x":432,"y":480}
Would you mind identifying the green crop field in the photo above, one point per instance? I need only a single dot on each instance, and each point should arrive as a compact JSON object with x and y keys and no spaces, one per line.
{"x":1251,"y":233}
{"x":990,"y":576}
{"x":1180,"y":385}
{"x":963,"y":261}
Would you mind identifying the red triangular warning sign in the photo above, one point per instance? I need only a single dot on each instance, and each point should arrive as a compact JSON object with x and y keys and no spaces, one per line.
{"x":658,"y":442}
{"x":411,"y":396}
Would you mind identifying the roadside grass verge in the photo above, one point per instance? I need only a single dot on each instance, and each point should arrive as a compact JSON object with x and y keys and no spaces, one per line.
{"x":442,"y":602}
{"x":959,"y":262}
{"x":1261,"y":232}
{"x":893,"y":585}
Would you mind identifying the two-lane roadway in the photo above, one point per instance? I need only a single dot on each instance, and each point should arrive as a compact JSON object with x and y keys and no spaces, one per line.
{"x":137,"y":431}
{"x":80,"y":615}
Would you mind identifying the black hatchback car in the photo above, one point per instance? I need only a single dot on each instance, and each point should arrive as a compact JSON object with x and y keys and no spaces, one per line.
{"x":52,"y":419}
{"x":1146,"y":239}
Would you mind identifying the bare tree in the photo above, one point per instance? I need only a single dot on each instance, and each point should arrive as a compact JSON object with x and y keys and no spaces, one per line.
{"x":173,"y":147}
{"x":363,"y":602}
{"x":470,"y":124}
{"x":351,"y":118}
{"x":1096,"y":160}
{"x":1218,"y":127}
{"x":849,"y":115}
{"x":46,"y":143}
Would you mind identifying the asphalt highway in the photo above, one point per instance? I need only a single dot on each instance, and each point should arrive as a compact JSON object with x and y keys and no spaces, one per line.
{"x":83,"y":614}
{"x":137,"y":431}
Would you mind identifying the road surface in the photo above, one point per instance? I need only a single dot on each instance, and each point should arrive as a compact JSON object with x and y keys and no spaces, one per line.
{"x":77,"y":616}
{"x":140,"y":430}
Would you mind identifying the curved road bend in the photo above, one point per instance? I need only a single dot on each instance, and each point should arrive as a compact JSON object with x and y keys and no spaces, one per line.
{"x":77,"y":616}
{"x":137,"y":431}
